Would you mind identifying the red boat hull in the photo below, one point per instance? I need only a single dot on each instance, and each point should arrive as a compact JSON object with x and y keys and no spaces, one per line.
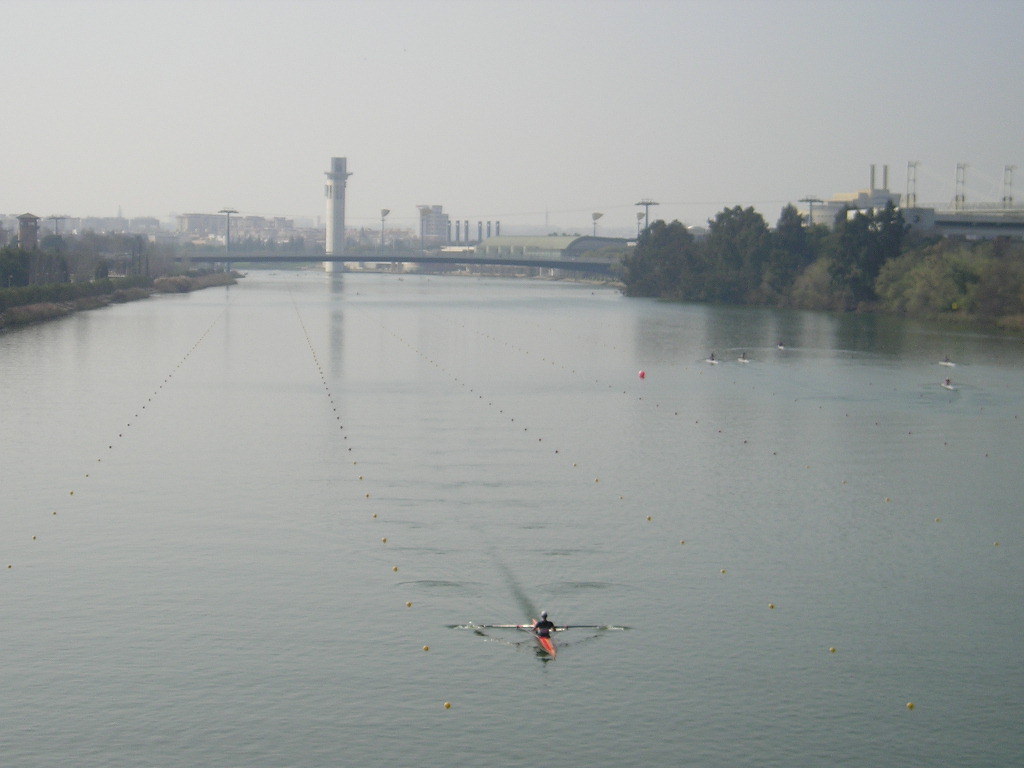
{"x":546,"y":643}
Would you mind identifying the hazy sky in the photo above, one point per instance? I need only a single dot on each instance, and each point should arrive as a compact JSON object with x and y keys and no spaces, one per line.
{"x":530,"y":113}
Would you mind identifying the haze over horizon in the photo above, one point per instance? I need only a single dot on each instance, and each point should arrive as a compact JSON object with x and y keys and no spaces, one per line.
{"x":531,"y":113}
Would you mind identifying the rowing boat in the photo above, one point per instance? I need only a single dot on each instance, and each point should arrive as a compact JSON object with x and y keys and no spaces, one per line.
{"x":544,"y":641}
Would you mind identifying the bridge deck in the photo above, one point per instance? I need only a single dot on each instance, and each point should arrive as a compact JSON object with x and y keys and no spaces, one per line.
{"x":393,"y":258}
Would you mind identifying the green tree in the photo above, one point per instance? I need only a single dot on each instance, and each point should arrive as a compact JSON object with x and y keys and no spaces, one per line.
{"x":661,"y":265}
{"x":864,"y":242}
{"x":14,"y":267}
{"x":791,"y":252}
{"x":736,"y":251}
{"x":1000,"y":289}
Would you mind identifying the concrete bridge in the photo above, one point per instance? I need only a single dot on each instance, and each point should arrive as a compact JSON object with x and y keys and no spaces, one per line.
{"x":586,"y":262}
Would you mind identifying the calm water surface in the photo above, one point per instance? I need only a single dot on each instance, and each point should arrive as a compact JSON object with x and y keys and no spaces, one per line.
{"x":231,"y":522}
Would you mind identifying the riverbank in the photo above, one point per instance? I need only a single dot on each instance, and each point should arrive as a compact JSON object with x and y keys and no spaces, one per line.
{"x":42,"y":311}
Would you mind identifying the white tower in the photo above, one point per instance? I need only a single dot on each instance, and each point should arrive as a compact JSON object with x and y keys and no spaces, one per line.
{"x":334,"y":191}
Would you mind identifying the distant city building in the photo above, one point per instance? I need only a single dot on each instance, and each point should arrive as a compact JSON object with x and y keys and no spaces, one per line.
{"x":202,"y":224}
{"x":28,"y":232}
{"x":107,"y":224}
{"x":434,"y":226}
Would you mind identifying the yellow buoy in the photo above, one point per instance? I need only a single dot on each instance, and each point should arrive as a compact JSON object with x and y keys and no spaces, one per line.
{"x":394,"y":568}
{"x":447,"y":705}
{"x":771,"y":605}
{"x":426,"y":647}
{"x":723,"y":570}
{"x":384,"y":539}
{"x":831,"y":650}
{"x":648,"y":518}
{"x":910,"y":705}
{"x":682,"y":541}
{"x":408,"y":604}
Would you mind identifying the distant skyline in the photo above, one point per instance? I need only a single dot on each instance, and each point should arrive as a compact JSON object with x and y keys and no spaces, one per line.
{"x":536,"y":114}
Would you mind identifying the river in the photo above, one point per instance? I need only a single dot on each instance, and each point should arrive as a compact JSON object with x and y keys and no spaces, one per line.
{"x":252,"y":525}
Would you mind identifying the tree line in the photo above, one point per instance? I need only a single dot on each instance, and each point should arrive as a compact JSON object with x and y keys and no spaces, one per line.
{"x":868,"y":261}
{"x":81,"y":258}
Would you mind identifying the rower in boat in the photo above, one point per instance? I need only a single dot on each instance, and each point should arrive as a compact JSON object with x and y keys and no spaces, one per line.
{"x":781,"y":345}
{"x":711,"y":359}
{"x":544,"y":626}
{"x":948,"y":384}
{"x":947,"y":362}
{"x":743,"y":358}
{"x":542,"y":629}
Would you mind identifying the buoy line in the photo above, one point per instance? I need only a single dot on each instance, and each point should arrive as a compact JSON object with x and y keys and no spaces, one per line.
{"x":633,"y":395}
{"x":383,"y":542}
{"x":129,"y":422}
{"x":358,"y":477}
{"x":594,"y":479}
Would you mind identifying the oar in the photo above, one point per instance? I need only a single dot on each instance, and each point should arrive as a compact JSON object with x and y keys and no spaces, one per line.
{"x":557,"y":629}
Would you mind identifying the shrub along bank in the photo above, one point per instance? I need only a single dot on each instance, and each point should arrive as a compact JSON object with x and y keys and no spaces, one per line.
{"x":868,"y":262}
{"x":28,"y":304}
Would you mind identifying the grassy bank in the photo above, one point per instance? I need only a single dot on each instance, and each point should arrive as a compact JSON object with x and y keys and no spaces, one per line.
{"x":35,"y":304}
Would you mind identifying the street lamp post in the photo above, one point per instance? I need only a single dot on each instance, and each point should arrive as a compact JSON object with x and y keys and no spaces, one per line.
{"x":647,"y":203}
{"x":383,"y":215}
{"x":639,"y":218}
{"x":810,"y":200}
{"x":595,"y":217}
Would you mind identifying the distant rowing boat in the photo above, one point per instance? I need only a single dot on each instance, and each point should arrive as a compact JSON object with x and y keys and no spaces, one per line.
{"x":545,"y":643}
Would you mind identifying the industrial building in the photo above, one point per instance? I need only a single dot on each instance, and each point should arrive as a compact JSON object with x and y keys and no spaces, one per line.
{"x":546,"y":248}
{"x":974,"y":221}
